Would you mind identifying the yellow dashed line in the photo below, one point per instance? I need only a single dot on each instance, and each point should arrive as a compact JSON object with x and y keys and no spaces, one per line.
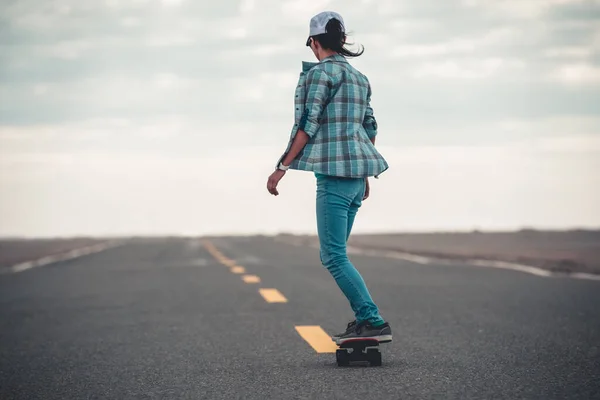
{"x":220,"y":257}
{"x":314,"y":335}
{"x":251,"y":279}
{"x":227,"y":262}
{"x":317,"y":338}
{"x":272,"y":296}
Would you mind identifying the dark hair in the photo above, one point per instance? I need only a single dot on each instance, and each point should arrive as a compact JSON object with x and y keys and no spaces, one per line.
{"x":335,"y":39}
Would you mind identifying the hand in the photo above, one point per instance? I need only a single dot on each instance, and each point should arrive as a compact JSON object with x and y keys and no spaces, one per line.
{"x":367,"y":189}
{"x":274,"y":180}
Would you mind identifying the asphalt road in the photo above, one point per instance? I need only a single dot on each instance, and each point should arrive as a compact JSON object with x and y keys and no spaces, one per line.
{"x":165,"y":319}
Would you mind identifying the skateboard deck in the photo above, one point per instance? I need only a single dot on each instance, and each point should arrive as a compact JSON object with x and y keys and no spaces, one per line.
{"x":358,"y":350}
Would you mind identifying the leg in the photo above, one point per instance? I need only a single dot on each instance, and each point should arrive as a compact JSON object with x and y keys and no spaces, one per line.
{"x":354,"y":206}
{"x":333,"y":205}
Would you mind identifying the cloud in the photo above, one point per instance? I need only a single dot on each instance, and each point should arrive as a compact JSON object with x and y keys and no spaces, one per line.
{"x":161,"y":193}
{"x":577,"y":143}
{"x":68,"y":50}
{"x":237,"y":33}
{"x":40,"y":89}
{"x":247,"y":6}
{"x":552,"y":126}
{"x":131,"y":22}
{"x":123,"y":4}
{"x":270,"y":85}
{"x":172,"y":3}
{"x":576,"y":74}
{"x":528,"y":9}
{"x":471,"y":44}
{"x":297,"y":8}
{"x":114,"y":95}
{"x":420,"y":50}
{"x":569,"y":52}
{"x":172,"y":136}
{"x":170,"y":39}
{"x":467,"y":69}
{"x":118,"y":87}
{"x":173,"y":81}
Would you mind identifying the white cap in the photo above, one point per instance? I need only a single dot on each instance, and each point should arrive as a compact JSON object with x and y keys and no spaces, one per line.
{"x":319,"y":21}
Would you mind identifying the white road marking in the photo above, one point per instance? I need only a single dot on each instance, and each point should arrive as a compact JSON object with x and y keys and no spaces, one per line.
{"x":583,"y":275}
{"x":438,"y":261}
{"x":69,"y":255}
{"x":515,"y":267}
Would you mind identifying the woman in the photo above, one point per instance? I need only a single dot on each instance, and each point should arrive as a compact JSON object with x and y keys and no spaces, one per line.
{"x":334,"y":137}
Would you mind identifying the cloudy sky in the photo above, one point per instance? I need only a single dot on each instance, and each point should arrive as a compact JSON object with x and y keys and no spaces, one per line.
{"x":167,"y":116}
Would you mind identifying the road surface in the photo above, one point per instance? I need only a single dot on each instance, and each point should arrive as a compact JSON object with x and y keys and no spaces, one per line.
{"x":190,"y":319}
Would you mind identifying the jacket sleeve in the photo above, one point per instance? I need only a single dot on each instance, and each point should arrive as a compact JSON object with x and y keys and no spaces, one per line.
{"x":318,"y":88}
{"x":369,"y":122}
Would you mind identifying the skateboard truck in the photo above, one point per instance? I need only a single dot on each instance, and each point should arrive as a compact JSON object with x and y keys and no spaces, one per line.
{"x":358,"y":350}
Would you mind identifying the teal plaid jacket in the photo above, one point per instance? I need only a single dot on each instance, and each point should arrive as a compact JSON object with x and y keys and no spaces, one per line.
{"x":333,"y":107}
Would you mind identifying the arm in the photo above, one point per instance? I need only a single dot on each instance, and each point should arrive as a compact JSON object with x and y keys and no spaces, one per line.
{"x":318,"y":86}
{"x":318,"y":89}
{"x":370,"y":125}
{"x":369,"y":121}
{"x":298,"y":144}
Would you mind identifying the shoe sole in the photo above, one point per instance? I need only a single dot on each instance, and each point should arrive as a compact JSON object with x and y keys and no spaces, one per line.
{"x":335,"y":338}
{"x":380,"y":339}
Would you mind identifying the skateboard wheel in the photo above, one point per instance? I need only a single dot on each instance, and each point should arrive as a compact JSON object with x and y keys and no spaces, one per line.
{"x":374,"y":357}
{"x":342,"y":357}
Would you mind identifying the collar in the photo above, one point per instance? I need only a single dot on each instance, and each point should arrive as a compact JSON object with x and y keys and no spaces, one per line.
{"x":335,"y":57}
{"x":306,"y":65}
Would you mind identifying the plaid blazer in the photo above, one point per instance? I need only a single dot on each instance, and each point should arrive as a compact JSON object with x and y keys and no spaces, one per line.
{"x":332,"y":105}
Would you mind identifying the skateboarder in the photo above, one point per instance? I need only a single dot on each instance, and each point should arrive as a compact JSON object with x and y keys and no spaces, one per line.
{"x":334,"y":137}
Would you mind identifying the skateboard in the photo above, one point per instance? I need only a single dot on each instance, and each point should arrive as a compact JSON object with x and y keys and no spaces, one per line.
{"x":358,"y":350}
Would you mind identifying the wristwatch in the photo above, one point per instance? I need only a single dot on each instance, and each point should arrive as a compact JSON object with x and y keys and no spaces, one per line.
{"x":283,"y":167}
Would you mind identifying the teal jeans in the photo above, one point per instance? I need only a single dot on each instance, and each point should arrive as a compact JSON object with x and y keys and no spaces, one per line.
{"x":338,"y":201}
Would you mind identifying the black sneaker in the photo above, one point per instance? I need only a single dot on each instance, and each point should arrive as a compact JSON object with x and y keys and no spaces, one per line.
{"x":349,"y":329}
{"x":364,"y":330}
